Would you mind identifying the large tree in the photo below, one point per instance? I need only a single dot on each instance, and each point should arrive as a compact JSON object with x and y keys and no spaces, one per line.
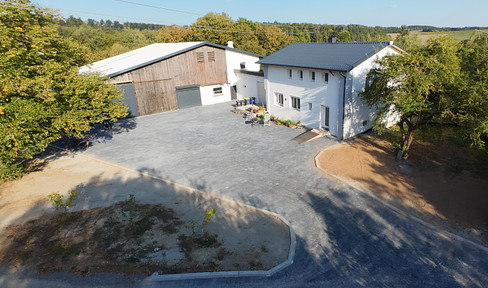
{"x":42,"y":96}
{"x":415,"y":87}
{"x":470,"y":107}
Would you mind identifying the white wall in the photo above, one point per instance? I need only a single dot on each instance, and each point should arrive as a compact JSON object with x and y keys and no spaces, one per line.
{"x":247,"y":86}
{"x":355,"y":110}
{"x":208,"y":96}
{"x":317,"y":92}
{"x":234,"y":60}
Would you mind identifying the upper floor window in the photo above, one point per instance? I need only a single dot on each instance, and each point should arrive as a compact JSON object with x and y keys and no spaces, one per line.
{"x":326,"y":77}
{"x":290,"y":73}
{"x":279,"y":99}
{"x":300,"y":74}
{"x":312,"y":75}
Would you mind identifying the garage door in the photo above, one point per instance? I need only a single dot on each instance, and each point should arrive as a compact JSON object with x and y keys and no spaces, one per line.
{"x":188,"y":96}
{"x":129,"y":99}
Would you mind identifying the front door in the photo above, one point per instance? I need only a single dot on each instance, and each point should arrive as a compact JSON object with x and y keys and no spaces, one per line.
{"x":324,"y":117}
{"x":233,"y":92}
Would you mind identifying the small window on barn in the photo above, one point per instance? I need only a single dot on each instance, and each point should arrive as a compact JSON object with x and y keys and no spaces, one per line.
{"x":326,"y":77}
{"x":290,"y":73}
{"x":211,"y":56}
{"x":312,"y":76}
{"x":217,"y":91}
{"x":300,"y":74}
{"x":200,"y":57}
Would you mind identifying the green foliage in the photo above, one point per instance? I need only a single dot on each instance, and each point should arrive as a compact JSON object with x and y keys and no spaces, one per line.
{"x":58,"y":202}
{"x":416,"y":87}
{"x":42,"y":97}
{"x":470,"y":106}
{"x":196,"y":227}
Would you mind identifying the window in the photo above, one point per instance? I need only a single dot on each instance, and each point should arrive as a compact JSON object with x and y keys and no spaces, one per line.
{"x":279,"y":99}
{"x":365,"y":122}
{"x":295,"y":102}
{"x":290,"y":73}
{"x":211,"y":56}
{"x":326,"y":77}
{"x":200,"y":57}
{"x":217,"y":91}
{"x":301,"y":74}
{"x":310,"y":106}
{"x":312,"y":75}
{"x":243,"y":65}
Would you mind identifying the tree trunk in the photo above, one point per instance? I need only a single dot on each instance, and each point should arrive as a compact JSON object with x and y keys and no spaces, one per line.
{"x":407,"y":136}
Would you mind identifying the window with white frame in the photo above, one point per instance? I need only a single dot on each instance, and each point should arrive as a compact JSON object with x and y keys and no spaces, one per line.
{"x":218,"y":91}
{"x":295,"y":102}
{"x":300,"y":74}
{"x":279,"y":99}
{"x":326,"y":77}
{"x":290,"y":73}
{"x":312,"y":76}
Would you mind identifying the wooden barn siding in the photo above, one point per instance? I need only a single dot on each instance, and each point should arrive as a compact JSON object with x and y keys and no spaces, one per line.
{"x":155,"y":84}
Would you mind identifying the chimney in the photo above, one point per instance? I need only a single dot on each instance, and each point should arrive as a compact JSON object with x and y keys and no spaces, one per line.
{"x":230,"y":44}
{"x":332,"y":39}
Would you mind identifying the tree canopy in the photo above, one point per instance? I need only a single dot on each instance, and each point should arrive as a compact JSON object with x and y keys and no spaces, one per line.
{"x":42,"y":97}
{"x":442,"y":81}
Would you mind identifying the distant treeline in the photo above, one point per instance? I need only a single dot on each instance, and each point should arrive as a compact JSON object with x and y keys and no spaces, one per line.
{"x":424,"y":28}
{"x":106,"y":38}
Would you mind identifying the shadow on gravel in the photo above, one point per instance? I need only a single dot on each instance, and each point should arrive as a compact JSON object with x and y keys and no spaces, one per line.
{"x":379,"y":248}
{"x":67,"y":248}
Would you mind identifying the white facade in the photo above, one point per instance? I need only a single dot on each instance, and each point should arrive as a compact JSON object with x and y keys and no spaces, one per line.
{"x":249,"y":85}
{"x":210,"y":96}
{"x":319,"y":98}
{"x":234,"y":60}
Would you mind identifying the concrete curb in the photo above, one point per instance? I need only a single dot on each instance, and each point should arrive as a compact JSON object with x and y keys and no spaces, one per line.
{"x":155,"y":277}
{"x":397,"y":210}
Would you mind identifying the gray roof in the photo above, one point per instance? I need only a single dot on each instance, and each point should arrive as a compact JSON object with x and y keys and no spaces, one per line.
{"x":147,"y":55}
{"x":341,"y":56}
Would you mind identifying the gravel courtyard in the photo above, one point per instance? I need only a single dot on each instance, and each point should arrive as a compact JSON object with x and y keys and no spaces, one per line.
{"x":345,"y":238}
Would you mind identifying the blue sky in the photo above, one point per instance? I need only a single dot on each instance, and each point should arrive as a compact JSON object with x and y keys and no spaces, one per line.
{"x":447,"y":13}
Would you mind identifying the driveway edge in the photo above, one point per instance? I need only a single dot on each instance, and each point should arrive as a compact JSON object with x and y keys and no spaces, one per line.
{"x":392,"y":207}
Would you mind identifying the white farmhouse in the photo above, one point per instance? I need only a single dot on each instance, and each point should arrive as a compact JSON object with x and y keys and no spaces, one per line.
{"x":318,"y":84}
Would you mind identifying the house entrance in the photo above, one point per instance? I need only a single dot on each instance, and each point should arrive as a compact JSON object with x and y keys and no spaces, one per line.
{"x":324,"y":117}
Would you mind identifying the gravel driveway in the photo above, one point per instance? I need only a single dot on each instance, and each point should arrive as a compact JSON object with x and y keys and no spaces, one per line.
{"x":345,"y":238}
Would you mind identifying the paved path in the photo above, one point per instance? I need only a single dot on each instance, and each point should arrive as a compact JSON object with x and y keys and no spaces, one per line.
{"x":345,"y":238}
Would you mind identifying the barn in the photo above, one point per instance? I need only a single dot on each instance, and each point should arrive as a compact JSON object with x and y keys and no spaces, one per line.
{"x":168,"y":76}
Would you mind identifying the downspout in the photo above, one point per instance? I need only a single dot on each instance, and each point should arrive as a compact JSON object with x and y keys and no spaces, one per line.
{"x":343,"y":105}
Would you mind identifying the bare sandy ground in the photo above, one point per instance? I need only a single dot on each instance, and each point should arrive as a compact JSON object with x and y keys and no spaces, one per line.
{"x":248,"y":233}
{"x":432,"y":184}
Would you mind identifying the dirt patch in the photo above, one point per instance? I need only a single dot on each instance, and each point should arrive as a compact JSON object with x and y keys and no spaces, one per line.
{"x":442,"y":184}
{"x":102,"y":235}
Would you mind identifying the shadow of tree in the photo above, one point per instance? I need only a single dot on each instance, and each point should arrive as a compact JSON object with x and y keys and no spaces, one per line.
{"x":379,"y":248}
{"x":244,"y":229}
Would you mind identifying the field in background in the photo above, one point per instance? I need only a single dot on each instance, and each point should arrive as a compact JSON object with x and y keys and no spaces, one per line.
{"x":457,"y":35}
